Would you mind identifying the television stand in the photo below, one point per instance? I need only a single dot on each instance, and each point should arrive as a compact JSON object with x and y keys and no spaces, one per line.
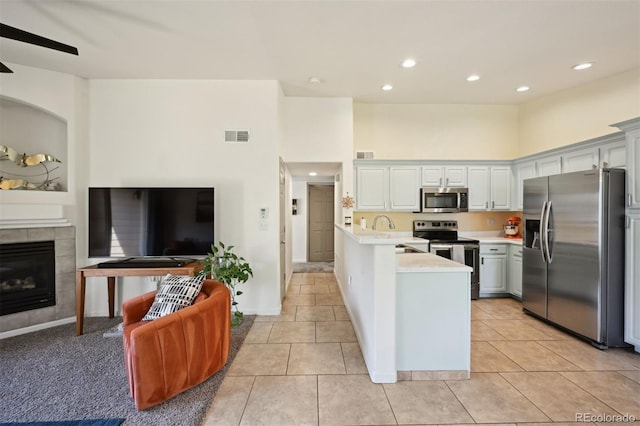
{"x":145,"y":262}
{"x":191,"y":268}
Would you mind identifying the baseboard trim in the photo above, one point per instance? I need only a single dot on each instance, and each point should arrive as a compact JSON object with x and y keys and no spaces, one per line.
{"x":37,"y":327}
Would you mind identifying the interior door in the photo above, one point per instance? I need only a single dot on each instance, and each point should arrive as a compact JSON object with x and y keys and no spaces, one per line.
{"x":321,"y":223}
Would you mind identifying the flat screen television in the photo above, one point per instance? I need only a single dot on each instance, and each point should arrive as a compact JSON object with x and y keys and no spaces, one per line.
{"x":150,"y":222}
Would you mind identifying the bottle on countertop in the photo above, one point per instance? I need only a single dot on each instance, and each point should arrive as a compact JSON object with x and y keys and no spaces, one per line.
{"x":363,"y":223}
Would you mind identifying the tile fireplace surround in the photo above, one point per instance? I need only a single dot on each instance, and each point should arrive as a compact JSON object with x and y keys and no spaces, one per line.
{"x":65,"y":261}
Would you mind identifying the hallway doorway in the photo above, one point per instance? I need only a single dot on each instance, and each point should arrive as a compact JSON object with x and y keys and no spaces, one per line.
{"x":320,"y":223}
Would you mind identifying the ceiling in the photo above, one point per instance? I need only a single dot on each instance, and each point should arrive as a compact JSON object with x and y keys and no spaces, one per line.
{"x":353,"y":47}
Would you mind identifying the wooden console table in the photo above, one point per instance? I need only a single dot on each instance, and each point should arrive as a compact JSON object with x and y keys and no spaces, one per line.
{"x":111,"y":273}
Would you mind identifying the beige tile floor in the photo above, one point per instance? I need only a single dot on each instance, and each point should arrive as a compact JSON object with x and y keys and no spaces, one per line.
{"x":304,"y":367}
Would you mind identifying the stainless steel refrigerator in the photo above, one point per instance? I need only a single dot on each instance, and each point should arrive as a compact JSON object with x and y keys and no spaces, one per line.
{"x":573,"y":253}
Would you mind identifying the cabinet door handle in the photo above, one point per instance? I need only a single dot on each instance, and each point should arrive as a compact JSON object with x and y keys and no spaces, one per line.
{"x":440,"y":181}
{"x":446,"y":182}
{"x":605,"y":164}
{"x":493,"y":204}
{"x":486,"y":204}
{"x":627,"y":222}
{"x":493,"y":249}
{"x":482,"y":260}
{"x":629,"y":200}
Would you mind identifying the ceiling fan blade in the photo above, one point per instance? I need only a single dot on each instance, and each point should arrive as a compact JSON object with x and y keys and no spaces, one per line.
{"x":4,"y":68}
{"x":27,"y":37}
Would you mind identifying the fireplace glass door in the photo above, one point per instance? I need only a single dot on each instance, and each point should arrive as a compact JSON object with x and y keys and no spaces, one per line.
{"x":27,"y":276}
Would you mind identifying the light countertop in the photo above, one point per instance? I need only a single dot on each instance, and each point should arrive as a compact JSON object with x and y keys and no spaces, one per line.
{"x":490,"y":237}
{"x":427,"y":262}
{"x":368,"y":236}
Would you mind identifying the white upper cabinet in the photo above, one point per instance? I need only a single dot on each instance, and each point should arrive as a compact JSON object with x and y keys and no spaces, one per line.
{"x":633,"y":169}
{"x":372,"y":188}
{"x":489,"y":188}
{"x":478,"y":187}
{"x":580,"y":160}
{"x":500,"y":198}
{"x":523,"y":172}
{"x":632,"y":153}
{"x":384,"y":188}
{"x":444,"y":176}
{"x":432,"y":176}
{"x":613,"y":155}
{"x":549,"y":166}
{"x":404,"y":188}
{"x":455,"y":176}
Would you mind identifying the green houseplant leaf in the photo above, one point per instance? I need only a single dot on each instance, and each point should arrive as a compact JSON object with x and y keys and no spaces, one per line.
{"x":224,"y":265}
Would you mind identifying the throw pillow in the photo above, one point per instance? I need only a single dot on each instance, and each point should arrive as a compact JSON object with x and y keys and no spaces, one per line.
{"x":175,"y":293}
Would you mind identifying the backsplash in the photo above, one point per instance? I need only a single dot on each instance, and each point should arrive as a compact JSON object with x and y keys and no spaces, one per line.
{"x":471,"y":221}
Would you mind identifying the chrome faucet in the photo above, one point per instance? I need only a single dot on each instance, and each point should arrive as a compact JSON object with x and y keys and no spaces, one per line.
{"x":383,"y":216}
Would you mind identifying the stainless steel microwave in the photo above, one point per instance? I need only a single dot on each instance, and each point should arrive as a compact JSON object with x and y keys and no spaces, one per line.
{"x":444,"y":200}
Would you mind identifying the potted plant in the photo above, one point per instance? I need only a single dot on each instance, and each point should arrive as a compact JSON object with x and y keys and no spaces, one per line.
{"x":230,"y":269}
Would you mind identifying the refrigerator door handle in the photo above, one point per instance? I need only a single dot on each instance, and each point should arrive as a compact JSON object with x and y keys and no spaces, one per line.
{"x":540,"y":231}
{"x":547,"y":231}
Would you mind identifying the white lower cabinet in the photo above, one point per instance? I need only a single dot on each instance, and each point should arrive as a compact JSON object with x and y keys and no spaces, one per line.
{"x":515,"y":271}
{"x":632,"y":280}
{"x":493,"y":269}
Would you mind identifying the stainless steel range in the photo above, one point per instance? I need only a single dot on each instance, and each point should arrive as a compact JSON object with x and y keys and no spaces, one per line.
{"x":444,"y":241}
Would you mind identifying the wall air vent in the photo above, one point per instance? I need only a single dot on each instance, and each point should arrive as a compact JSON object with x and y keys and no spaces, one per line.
{"x":236,"y":136}
{"x":364,"y":155}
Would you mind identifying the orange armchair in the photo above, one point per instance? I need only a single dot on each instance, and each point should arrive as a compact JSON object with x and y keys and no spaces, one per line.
{"x":171,"y":354}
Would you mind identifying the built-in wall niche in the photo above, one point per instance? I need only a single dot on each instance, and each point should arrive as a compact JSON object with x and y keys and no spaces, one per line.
{"x":32,"y":131}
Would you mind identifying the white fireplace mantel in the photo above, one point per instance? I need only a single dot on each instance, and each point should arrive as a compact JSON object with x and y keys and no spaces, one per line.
{"x":14,"y":216}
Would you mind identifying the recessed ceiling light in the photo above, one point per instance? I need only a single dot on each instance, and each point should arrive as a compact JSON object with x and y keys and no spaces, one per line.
{"x":522,"y":89}
{"x":473,"y":77}
{"x":314,"y":80}
{"x":313,"y":174}
{"x":387,"y":87}
{"x":409,"y":63}
{"x":582,"y":66}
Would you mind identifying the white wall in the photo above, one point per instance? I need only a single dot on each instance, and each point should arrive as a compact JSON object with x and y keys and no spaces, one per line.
{"x":64,"y":96}
{"x":171,"y":132}
{"x":577,"y":114}
{"x":320,"y":130}
{"x":436,"y":132}
{"x":316,"y":130}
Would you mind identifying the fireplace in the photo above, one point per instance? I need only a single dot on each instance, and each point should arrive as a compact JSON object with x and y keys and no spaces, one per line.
{"x":27,"y":276}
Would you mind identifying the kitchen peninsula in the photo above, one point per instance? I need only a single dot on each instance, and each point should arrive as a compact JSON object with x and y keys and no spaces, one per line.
{"x":411,"y":312}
